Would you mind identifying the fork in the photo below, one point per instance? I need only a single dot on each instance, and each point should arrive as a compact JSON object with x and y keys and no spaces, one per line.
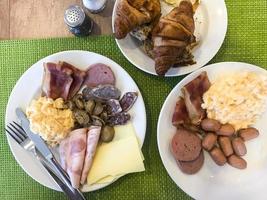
{"x":19,"y":135}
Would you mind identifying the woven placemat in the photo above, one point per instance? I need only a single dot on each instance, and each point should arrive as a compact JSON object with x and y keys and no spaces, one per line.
{"x":246,"y":41}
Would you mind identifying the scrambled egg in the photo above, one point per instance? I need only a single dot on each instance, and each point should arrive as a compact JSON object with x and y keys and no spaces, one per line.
{"x":238,"y":99}
{"x":48,"y":119}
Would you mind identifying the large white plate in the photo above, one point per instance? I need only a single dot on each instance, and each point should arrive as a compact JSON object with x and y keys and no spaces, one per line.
{"x":211,"y":26}
{"x":28,"y":87}
{"x":212,"y":181}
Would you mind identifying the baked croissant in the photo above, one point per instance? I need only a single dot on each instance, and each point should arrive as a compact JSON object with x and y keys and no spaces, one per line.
{"x":133,"y":13}
{"x":172,"y":38}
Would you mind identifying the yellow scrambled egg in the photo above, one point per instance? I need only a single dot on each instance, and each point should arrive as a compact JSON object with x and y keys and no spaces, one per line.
{"x":238,"y":98}
{"x":48,"y":119}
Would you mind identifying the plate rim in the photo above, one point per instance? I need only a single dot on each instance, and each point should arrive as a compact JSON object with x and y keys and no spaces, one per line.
{"x":225,"y":25}
{"x":55,"y":187}
{"x":180,"y":84}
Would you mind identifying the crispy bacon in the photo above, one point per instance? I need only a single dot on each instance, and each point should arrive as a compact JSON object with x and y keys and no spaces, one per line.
{"x":180,"y":115}
{"x":193,"y":93}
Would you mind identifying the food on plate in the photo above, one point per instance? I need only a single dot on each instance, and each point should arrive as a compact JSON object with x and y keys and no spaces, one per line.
{"x":99,"y":74}
{"x":173,"y":38}
{"x":128,"y":100}
{"x":172,"y":2}
{"x":210,"y":125}
{"x":180,"y":115}
{"x":209,"y":141}
{"x":93,"y":135}
{"x":133,"y":13}
{"x":226,"y":130}
{"x":239,"y":146}
{"x":248,"y":133}
{"x":237,"y":162}
{"x":218,"y":156}
{"x":237,"y":98}
{"x":101,"y":92}
{"x":61,"y":80}
{"x":79,"y":112}
{"x":168,"y":40}
{"x":120,"y":156}
{"x":107,"y":133}
{"x":226,"y":146}
{"x":193,"y":92}
{"x":224,"y":141}
{"x":185,"y":145}
{"x":74,"y":155}
{"x":191,"y":167}
{"x":50,"y":119}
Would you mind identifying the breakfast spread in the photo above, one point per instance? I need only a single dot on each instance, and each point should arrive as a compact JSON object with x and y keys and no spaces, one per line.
{"x":217,"y":117}
{"x":79,"y":112}
{"x":169,"y":39}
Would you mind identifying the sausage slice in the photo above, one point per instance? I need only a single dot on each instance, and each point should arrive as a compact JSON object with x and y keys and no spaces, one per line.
{"x":185,"y":145}
{"x":191,"y":167}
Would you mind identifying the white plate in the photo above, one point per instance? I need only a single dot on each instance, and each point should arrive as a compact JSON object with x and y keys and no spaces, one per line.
{"x":212,"y":181}
{"x":211,"y":26}
{"x":28,"y":86}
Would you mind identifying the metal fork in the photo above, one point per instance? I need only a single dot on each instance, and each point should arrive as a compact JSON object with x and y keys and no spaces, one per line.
{"x":19,"y":135}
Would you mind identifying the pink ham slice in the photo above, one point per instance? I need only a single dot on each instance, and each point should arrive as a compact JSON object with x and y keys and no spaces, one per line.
{"x":57,"y":81}
{"x":63,"y":149}
{"x":78,"y":77}
{"x":75,"y":155}
{"x":99,"y":74}
{"x":92,"y":141}
{"x":193,"y":93}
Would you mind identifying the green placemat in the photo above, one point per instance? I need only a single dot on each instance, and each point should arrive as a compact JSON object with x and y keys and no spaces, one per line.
{"x":246,"y":41}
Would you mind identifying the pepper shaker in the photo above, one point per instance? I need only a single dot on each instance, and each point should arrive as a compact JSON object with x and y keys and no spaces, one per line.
{"x":77,"y":21}
{"x":95,"y":6}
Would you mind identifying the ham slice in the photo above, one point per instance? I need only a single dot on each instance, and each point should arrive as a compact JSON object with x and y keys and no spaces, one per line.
{"x":75,"y":155}
{"x":78,"y":77}
{"x":193,"y":93}
{"x":92,"y":141}
{"x":57,"y":81}
{"x":63,"y":149}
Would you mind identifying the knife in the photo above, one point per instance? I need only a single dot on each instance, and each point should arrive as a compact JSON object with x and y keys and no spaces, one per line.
{"x":45,"y":152}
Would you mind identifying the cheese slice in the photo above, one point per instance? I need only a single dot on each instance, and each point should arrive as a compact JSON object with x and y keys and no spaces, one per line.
{"x":119,"y":157}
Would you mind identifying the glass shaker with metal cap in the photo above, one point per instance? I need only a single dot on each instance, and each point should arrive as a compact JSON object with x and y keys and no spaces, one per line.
{"x":77,"y":21}
{"x":95,"y":6}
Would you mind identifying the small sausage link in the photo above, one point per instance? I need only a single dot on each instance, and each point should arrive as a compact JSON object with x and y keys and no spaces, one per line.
{"x":218,"y":156}
{"x":226,"y":130}
{"x":237,"y":162}
{"x":210,"y":125}
{"x":226,"y":146}
{"x":248,"y":133}
{"x":209,"y":141}
{"x":239,"y":146}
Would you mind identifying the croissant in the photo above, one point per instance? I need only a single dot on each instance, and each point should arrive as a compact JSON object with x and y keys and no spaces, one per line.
{"x":172,"y":38}
{"x":133,"y":13}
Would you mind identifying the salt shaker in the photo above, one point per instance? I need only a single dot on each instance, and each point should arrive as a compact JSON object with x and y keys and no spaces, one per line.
{"x":94,"y":6}
{"x":77,"y":21}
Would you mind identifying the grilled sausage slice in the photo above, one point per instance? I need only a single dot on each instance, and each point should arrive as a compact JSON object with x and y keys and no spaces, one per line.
{"x":239,"y":146}
{"x":209,"y":141}
{"x":237,"y":162}
{"x":191,"y":167}
{"x":226,"y":146}
{"x":218,"y":156}
{"x":185,"y":145}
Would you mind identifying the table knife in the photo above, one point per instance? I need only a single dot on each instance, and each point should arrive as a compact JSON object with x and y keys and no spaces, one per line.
{"x":45,"y":151}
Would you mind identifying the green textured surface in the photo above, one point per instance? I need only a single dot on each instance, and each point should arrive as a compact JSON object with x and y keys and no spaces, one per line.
{"x":246,"y":41}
